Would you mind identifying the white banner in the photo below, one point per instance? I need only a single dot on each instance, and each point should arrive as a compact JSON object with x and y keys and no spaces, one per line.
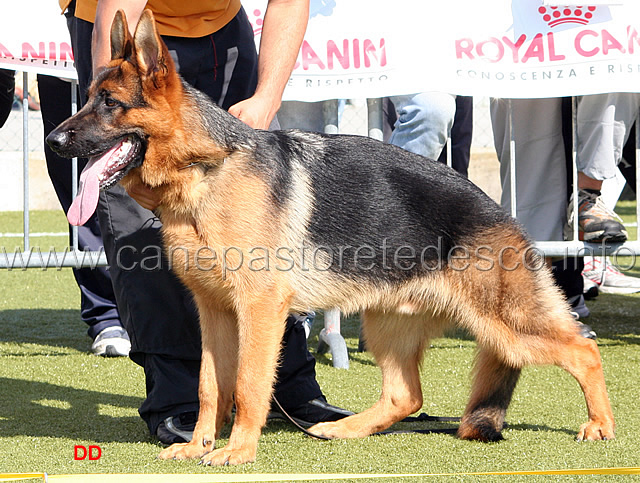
{"x":371,"y":48}
{"x":34,"y":38}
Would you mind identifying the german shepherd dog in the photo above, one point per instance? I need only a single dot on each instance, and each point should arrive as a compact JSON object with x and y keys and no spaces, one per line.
{"x":300,"y":220}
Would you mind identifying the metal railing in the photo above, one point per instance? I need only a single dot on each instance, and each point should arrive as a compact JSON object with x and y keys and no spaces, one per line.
{"x":72,"y":258}
{"x":575,"y":247}
{"x":76,"y":258}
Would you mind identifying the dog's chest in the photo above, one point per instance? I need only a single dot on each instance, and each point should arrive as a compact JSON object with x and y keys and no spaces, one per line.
{"x":194,"y":260}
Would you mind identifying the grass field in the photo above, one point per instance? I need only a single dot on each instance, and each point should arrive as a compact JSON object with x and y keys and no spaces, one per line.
{"x":55,"y":395}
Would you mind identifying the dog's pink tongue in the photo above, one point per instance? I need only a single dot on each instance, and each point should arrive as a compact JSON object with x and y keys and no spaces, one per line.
{"x":86,"y":201}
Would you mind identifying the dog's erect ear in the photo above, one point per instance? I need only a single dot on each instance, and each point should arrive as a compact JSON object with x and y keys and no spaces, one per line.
{"x":121,"y":40}
{"x":149,"y":48}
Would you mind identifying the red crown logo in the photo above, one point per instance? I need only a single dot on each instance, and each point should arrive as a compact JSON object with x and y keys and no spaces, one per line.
{"x":568,"y":14}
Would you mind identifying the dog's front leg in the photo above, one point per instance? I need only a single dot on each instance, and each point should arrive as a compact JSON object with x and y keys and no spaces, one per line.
{"x":261,"y":327}
{"x":217,"y":378}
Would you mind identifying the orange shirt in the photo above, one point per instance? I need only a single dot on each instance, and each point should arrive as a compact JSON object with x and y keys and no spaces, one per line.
{"x":178,"y":18}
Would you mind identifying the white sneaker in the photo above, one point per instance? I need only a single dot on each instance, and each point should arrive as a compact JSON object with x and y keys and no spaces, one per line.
{"x":113,"y":342}
{"x":609,"y":279}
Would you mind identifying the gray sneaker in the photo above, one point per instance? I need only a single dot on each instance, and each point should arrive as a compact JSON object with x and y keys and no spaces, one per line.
{"x":112,"y":342}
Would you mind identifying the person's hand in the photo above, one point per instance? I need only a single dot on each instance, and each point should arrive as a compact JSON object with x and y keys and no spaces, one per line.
{"x":257,"y":112}
{"x":145,"y":196}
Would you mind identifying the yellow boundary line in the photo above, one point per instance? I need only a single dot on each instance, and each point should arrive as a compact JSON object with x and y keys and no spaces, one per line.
{"x":275,"y":477}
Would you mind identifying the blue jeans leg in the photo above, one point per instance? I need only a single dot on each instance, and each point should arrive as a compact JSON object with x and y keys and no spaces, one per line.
{"x":424,"y":122}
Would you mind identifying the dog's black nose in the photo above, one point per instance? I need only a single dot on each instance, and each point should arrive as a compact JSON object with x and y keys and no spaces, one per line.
{"x":57,"y":139}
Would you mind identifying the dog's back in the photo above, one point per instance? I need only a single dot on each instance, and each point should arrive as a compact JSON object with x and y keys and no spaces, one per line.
{"x":374,"y":216}
{"x":366,"y":193}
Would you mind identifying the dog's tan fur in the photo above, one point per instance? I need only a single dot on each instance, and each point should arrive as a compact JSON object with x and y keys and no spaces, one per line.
{"x":517,"y":316}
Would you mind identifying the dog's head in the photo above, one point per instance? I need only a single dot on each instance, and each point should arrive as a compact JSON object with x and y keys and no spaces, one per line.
{"x":128,"y":114}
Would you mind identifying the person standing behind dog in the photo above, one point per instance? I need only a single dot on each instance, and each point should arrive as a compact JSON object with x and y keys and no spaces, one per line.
{"x":543,"y":168}
{"x":97,"y":302}
{"x":212,"y":44}
{"x":98,"y":307}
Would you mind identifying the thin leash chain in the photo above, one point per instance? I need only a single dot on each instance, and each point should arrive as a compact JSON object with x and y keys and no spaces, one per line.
{"x":295,"y":423}
{"x":409,"y":419}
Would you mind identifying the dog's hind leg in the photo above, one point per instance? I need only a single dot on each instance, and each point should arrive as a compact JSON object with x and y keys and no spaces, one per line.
{"x":566,"y":346}
{"x":581,"y":358}
{"x":515,"y":330}
{"x":540,"y":332}
{"x":217,"y":379}
{"x":493,"y":386}
{"x":397,"y":342}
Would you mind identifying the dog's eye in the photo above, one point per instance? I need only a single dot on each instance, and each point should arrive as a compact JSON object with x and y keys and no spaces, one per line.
{"x":110,"y":101}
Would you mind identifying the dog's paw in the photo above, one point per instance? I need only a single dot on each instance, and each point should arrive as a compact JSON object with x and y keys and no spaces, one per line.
{"x":185,"y":451}
{"x":346,"y":428}
{"x":487,"y":432}
{"x":596,"y":430}
{"x":355,"y":426}
{"x":226,"y":457}
{"x":326,"y":430}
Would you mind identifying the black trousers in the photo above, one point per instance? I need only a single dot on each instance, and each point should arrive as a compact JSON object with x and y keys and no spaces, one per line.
{"x":155,"y":308}
{"x":461,"y":135}
{"x":7,"y":89}
{"x":98,"y":307}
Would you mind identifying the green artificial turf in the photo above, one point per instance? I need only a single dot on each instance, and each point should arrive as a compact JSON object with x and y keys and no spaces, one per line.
{"x":55,"y":395}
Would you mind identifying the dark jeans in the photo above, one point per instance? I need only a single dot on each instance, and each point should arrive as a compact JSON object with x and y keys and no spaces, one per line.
{"x":97,"y":301}
{"x":154,"y":306}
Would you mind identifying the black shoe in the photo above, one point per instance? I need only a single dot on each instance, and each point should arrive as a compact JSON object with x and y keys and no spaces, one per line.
{"x":177,"y":429}
{"x":315,"y":411}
